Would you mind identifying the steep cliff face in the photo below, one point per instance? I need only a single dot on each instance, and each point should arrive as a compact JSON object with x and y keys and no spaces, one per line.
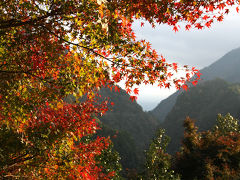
{"x":226,"y":68}
{"x":201,"y":103}
{"x":128,"y":118}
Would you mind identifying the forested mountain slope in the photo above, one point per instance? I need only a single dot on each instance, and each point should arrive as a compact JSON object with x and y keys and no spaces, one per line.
{"x":201,"y":103}
{"x":133,"y":125}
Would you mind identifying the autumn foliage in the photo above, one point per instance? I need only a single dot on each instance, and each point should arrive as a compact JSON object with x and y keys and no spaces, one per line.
{"x":210,"y":154}
{"x":50,"y":49}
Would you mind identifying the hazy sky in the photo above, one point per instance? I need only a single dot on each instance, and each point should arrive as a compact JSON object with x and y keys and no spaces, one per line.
{"x":198,"y":48}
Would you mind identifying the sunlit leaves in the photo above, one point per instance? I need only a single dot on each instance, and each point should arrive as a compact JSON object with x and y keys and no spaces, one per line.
{"x":227,"y":124}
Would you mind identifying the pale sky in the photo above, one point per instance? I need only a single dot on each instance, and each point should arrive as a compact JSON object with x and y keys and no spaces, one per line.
{"x":198,"y":48}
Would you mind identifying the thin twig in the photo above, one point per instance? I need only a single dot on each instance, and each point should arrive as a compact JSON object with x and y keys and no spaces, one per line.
{"x":89,"y":49}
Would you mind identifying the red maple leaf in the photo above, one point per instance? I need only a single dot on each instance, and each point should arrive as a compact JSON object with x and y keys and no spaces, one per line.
{"x":133,"y":98}
{"x":128,"y":90}
{"x":195,"y":83}
{"x":136,"y":91}
{"x":185,"y":87}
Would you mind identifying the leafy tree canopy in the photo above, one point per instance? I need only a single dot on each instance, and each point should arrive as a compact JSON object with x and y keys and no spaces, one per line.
{"x":227,"y":124}
{"x":158,"y":162}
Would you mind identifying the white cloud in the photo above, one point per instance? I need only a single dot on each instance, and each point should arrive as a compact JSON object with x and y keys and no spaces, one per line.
{"x":197,"y":48}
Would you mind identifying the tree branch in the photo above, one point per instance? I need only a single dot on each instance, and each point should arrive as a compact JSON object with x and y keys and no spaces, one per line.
{"x":15,"y":23}
{"x":84,"y":47}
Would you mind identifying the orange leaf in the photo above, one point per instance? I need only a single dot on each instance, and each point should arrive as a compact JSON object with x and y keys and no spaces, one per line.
{"x":211,"y":8}
{"x":194,"y":83}
{"x":133,"y":98}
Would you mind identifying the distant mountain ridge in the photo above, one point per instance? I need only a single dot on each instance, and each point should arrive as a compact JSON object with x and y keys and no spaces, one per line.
{"x":226,"y":68}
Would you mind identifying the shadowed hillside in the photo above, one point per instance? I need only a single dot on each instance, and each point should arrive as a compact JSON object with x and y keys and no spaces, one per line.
{"x":201,"y":103}
{"x":135,"y":127}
